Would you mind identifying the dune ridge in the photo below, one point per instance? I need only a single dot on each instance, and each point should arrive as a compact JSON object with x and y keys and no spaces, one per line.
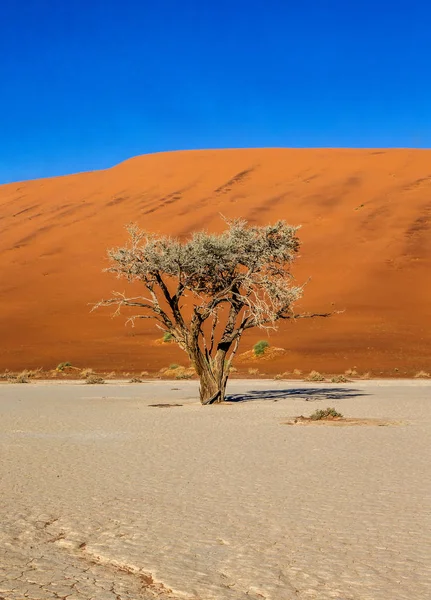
{"x":366,"y":220}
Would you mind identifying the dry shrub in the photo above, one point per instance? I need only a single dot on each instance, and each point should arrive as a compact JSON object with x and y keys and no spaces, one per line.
{"x":178,"y":372}
{"x":325,"y":413}
{"x":110,"y":375}
{"x":253,"y":371}
{"x":422,"y":375}
{"x":366,"y":375}
{"x":144,"y":373}
{"x":339,"y":379}
{"x":284,"y":375}
{"x":297,"y":372}
{"x":351,"y":372}
{"x":314,"y":376}
{"x":92,"y":379}
{"x":19,"y":377}
{"x":86,"y":373}
{"x":135,"y":380}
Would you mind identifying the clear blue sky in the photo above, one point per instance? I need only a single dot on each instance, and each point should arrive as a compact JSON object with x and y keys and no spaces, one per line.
{"x":86,"y":84}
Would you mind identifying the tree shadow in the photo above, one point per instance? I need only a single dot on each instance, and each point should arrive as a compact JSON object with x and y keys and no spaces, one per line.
{"x":307,"y":394}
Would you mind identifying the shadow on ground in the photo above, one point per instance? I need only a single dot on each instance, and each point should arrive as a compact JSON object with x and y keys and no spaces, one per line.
{"x":307,"y":394}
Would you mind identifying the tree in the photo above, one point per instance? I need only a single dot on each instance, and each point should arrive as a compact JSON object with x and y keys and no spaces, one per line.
{"x":209,"y":289}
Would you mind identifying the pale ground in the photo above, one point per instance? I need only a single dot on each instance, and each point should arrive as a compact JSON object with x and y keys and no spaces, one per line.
{"x":99,"y":491}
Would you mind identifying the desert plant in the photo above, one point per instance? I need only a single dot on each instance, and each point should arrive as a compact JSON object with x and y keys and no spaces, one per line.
{"x":325,"y":413}
{"x":339,"y":379}
{"x":135,"y":380}
{"x":183,"y":375}
{"x":314,"y":376}
{"x":92,"y":379}
{"x":233,"y":281}
{"x":174,"y":366}
{"x":351,"y":372}
{"x":260,"y":347}
{"x":253,"y":371}
{"x":144,"y":373}
{"x":366,"y":375}
{"x":21,"y":377}
{"x":422,"y":375}
{"x":63,"y":365}
{"x":167,"y":337}
{"x":86,"y":373}
{"x":297,"y":372}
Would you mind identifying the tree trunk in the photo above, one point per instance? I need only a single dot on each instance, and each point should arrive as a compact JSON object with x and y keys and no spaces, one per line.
{"x":211,"y":390}
{"x":212,"y":377}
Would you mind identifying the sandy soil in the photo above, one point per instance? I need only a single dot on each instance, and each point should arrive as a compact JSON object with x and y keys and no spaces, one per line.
{"x":366,"y":218}
{"x":104,"y":496}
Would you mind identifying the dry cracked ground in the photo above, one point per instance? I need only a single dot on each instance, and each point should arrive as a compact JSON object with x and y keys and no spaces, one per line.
{"x":107,"y":493}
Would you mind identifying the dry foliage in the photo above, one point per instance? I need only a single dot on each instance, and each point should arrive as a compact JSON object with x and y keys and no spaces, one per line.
{"x":314,"y":376}
{"x":253,"y":371}
{"x":351,"y":372}
{"x":92,"y":379}
{"x":339,"y":379}
{"x":86,"y":373}
{"x":422,"y":375}
{"x":231,"y":282}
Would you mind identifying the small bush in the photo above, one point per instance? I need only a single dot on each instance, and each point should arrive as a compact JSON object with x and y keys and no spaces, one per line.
{"x":325,"y":413}
{"x":167,"y":337}
{"x":339,"y":379}
{"x":174,"y":366}
{"x":63,"y":365}
{"x":86,"y":373}
{"x":351,"y":372}
{"x":366,"y":375}
{"x":144,"y":373}
{"x":260,"y":347}
{"x":422,"y":375}
{"x":19,"y":377}
{"x":297,"y":372}
{"x":135,"y":380}
{"x":253,"y":371}
{"x":183,"y":375}
{"x":314,"y":376}
{"x":92,"y":379}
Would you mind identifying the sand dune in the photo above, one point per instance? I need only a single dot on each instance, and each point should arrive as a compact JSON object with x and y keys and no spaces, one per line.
{"x":366,"y":219}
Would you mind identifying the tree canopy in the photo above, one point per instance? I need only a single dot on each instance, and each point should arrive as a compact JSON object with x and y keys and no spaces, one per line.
{"x":232,"y":281}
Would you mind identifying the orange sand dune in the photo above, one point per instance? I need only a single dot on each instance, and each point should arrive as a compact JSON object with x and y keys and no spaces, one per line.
{"x":366,"y":217}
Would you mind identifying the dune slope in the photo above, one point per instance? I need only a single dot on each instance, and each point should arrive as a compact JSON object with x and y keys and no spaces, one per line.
{"x":366,"y":234}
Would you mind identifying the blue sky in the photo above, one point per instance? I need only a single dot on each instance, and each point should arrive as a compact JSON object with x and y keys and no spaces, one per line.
{"x":86,"y":84}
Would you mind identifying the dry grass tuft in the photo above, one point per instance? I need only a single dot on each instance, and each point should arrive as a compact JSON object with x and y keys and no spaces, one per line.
{"x":351,"y":372}
{"x":325,"y":413}
{"x":93,"y":379}
{"x":86,"y":373}
{"x":297,"y":372}
{"x":339,"y":379}
{"x":253,"y":371}
{"x":422,"y":375}
{"x":366,"y":375}
{"x":136,"y":380}
{"x":314,"y":376}
{"x":144,"y":373}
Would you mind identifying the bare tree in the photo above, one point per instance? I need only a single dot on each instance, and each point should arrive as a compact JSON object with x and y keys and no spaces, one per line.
{"x":208,"y":290}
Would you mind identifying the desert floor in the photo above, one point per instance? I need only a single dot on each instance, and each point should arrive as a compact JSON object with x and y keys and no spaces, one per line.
{"x":105,"y":497}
